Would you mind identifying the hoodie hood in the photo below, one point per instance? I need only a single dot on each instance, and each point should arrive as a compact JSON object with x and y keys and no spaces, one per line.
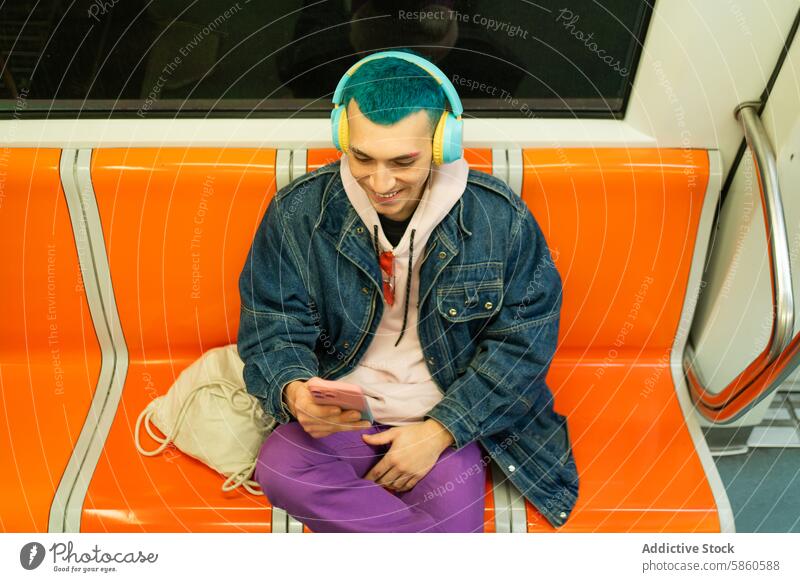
{"x":444,"y":187}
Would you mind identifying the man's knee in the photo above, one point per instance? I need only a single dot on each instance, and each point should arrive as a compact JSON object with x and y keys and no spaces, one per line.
{"x":468,"y":457}
{"x":277,"y":459}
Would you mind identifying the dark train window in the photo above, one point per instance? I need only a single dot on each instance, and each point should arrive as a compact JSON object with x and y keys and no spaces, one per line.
{"x":283,"y":58}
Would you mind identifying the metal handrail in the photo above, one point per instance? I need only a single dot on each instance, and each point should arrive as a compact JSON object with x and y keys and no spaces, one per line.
{"x":782,"y":353}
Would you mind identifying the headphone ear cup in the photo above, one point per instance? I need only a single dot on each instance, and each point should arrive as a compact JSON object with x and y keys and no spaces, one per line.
{"x":438,"y":140}
{"x":344,"y":132}
{"x":452,"y":138}
{"x":340,"y":131}
{"x":336,"y":113}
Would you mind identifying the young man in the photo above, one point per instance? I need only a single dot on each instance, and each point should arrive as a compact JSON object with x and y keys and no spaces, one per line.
{"x":429,"y":285}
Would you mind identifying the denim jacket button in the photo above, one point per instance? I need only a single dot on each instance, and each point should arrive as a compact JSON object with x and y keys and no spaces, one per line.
{"x":442,"y":255}
{"x":453,"y":312}
{"x":364,"y":290}
{"x":346,"y":345}
{"x":488,"y":305}
{"x":512,"y":468}
{"x":431,"y":360}
{"x":562,"y":515}
{"x":360,"y":229}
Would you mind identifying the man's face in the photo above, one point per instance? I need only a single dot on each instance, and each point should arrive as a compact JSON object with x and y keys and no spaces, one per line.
{"x":394,"y":159}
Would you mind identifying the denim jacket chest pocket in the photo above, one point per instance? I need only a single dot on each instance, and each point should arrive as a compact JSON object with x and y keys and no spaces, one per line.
{"x":467,"y":296}
{"x":469,"y":291}
{"x":469,"y":300}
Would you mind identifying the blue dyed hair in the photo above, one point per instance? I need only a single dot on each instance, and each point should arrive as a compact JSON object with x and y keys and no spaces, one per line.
{"x":390,"y":89}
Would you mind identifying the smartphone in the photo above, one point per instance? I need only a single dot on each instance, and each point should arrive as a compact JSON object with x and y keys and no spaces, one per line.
{"x":345,"y":396}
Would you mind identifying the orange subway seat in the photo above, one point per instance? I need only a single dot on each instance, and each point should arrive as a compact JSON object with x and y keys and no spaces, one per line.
{"x":178,"y":223}
{"x":621,"y":224}
{"x":618,"y":493}
{"x":490,"y":511}
{"x":172,"y":492}
{"x":49,"y":354}
{"x":614,"y":220}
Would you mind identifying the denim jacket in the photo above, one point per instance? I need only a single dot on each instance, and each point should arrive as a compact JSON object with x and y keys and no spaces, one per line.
{"x":489,"y":306}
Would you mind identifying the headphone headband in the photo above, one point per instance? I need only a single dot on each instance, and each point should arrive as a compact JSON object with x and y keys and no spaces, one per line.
{"x":427,"y":66}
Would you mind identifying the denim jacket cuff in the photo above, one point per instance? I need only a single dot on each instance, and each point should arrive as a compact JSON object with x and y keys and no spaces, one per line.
{"x":455,"y":418}
{"x":276,"y":406}
{"x":284,"y":404}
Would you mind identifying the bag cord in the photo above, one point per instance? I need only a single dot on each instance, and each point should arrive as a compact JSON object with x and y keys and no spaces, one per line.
{"x":238,"y":478}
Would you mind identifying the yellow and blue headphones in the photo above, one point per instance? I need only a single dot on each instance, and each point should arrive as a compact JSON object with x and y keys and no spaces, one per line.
{"x":447,"y":139}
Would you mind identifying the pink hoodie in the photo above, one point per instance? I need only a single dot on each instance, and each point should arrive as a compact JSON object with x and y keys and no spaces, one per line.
{"x":396,"y":379}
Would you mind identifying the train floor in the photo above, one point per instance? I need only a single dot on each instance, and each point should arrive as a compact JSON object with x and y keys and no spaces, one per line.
{"x":763,"y":484}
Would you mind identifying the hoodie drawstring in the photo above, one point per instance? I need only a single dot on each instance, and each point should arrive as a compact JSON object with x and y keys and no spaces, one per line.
{"x":408,"y":277}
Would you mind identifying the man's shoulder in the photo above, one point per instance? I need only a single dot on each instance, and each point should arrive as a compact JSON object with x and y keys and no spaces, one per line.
{"x":309,"y":186}
{"x":492,"y":202}
{"x":490,"y":198}
{"x":491,"y":188}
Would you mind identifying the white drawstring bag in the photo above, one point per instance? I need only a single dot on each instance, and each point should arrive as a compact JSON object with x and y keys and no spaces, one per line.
{"x":210,"y":416}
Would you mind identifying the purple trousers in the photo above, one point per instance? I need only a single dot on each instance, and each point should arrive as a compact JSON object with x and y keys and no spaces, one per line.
{"x":320,"y":483}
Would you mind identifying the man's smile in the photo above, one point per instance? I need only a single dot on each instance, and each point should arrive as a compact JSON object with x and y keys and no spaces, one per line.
{"x":389,"y":196}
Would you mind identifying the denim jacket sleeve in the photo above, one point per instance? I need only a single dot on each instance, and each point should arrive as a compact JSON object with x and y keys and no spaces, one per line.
{"x":507,"y":373}
{"x":277,"y":331}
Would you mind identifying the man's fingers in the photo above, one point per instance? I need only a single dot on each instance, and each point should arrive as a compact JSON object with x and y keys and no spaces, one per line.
{"x":314,"y":410}
{"x":349,"y":416}
{"x":328,"y":410}
{"x":361,"y":424}
{"x":389,"y":478}
{"x":401,"y":484}
{"x":378,"y":470}
{"x":358,"y":425}
{"x":416,"y":478}
{"x":347,"y":420}
{"x":326,"y":426}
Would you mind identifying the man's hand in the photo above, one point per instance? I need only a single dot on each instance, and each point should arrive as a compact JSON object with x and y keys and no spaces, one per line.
{"x":319,"y":420}
{"x":414,"y":451}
